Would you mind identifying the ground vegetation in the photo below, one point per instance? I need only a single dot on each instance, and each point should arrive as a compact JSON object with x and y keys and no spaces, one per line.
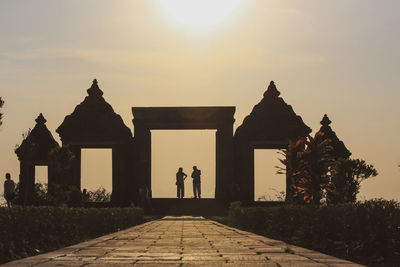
{"x":27,"y":231}
{"x":367,"y":232}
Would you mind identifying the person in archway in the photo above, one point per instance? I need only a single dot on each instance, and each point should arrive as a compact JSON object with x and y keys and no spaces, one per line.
{"x":196,"y":182}
{"x":180,"y":185}
{"x":9,"y":190}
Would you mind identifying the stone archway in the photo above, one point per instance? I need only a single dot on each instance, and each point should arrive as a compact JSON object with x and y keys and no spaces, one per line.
{"x":272,"y":124}
{"x":34,"y":151}
{"x":94,"y":124}
{"x":178,"y":118}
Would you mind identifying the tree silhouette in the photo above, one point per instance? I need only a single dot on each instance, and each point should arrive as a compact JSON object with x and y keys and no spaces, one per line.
{"x":347,"y":174}
{"x":1,"y":114}
{"x":315,"y":173}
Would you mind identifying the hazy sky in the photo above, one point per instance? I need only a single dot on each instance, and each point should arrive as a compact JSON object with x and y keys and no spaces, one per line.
{"x":341,"y":58}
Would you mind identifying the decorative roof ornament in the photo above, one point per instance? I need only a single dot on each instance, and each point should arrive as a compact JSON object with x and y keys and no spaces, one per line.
{"x":339,"y":149}
{"x":325,"y":121}
{"x":94,"y":90}
{"x":272,"y":119}
{"x":39,"y":142}
{"x":272,"y":92}
{"x":94,"y":120}
{"x":40,"y":119}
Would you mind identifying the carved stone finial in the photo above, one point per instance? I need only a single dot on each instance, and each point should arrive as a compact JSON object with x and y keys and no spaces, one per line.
{"x":325,"y":121}
{"x":40,"y":119}
{"x":94,"y":90}
{"x":272,"y":92}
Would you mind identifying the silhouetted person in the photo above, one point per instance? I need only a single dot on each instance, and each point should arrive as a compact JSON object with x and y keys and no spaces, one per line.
{"x":180,"y":185}
{"x":85,"y":195}
{"x":196,"y":182}
{"x":9,"y":189}
{"x":144,"y":197}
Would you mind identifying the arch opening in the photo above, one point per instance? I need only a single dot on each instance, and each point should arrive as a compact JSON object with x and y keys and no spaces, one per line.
{"x":96,"y":169}
{"x":172,"y":149}
{"x":268,"y":185}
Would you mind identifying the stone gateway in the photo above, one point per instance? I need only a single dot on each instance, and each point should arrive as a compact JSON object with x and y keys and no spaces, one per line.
{"x":94,"y":124}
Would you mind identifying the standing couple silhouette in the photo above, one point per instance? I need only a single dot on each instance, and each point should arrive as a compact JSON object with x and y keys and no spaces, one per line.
{"x":180,"y":185}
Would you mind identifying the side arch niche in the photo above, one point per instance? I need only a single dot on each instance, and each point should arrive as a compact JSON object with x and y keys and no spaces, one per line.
{"x":34,"y":151}
{"x":94,"y":124}
{"x":270,"y":125}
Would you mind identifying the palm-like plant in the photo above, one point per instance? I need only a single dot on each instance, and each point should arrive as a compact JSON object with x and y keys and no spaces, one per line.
{"x":315,"y":168}
{"x":291,"y":161}
{"x":307,"y":166}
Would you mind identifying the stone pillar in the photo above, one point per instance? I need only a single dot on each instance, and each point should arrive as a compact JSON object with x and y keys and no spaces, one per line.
{"x":249,"y":174}
{"x":121,"y":174}
{"x":142,"y":157}
{"x":244,"y":170}
{"x":224,"y":162}
{"x":75,"y":179}
{"x":26,"y":182}
{"x":115,"y":172}
{"x":52,"y":178}
{"x":289,"y":190}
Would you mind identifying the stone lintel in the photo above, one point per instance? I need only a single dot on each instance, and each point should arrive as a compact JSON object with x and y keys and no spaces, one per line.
{"x":208,"y":117}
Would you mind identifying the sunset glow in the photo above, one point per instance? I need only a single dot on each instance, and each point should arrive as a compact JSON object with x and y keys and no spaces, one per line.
{"x":199,"y":14}
{"x":325,"y":58}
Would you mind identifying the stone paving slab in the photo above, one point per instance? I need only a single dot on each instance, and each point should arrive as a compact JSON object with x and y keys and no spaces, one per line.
{"x":183,"y":241}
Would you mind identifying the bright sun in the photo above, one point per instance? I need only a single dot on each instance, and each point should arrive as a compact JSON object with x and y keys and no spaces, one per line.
{"x":199,"y":13}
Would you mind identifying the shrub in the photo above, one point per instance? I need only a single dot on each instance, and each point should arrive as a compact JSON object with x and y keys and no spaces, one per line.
{"x":235,"y":209}
{"x":25,"y":231}
{"x":367,"y":232}
{"x":317,"y":175}
{"x":347,"y":175}
{"x":61,"y":195}
{"x":99,"y":195}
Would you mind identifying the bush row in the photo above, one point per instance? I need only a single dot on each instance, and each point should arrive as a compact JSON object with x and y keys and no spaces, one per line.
{"x":367,"y":232}
{"x":26,"y":231}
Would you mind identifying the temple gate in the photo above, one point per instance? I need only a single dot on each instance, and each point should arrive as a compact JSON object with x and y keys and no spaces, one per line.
{"x":178,"y":118}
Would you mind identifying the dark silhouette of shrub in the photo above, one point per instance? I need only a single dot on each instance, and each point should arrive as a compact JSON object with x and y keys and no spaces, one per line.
{"x":307,"y":164}
{"x":367,"y":232}
{"x":316,"y":174}
{"x":1,"y":114}
{"x":99,"y":195}
{"x":27,"y":231}
{"x":347,"y":175}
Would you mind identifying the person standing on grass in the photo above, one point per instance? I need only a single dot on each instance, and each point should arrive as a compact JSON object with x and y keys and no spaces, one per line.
{"x":180,"y":185}
{"x":9,"y":189}
{"x":196,"y":182}
{"x":85,"y":195}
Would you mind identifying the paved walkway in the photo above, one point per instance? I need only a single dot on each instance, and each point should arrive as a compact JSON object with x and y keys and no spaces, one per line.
{"x":182,"y":241}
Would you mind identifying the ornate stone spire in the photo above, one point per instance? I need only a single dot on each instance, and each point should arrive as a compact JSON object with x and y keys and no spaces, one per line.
{"x":38,"y":143}
{"x":271,"y":92}
{"x":325,"y":121}
{"x":272,"y":119}
{"x":94,"y":120}
{"x":339,"y":149}
{"x":94,"y":90}
{"x":40,"y":119}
